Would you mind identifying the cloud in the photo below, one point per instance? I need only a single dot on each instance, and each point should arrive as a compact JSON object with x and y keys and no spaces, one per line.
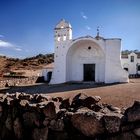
{"x":8,"y":45}
{"x":84,"y":16}
{"x":88,"y":28}
{"x":1,"y":36}
{"x":18,"y":49}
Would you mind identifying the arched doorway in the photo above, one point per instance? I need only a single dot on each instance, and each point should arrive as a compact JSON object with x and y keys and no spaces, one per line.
{"x":85,"y":61}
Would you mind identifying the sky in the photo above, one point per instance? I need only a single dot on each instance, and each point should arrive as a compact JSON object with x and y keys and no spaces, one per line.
{"x":26,"y":26}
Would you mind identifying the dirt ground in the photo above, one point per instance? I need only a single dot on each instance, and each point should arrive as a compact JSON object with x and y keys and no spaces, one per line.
{"x":121,"y":95}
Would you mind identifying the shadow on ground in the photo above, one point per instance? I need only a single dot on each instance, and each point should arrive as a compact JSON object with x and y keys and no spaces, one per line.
{"x":45,"y":88}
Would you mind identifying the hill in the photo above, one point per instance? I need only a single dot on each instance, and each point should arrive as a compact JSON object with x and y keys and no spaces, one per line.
{"x":32,"y":63}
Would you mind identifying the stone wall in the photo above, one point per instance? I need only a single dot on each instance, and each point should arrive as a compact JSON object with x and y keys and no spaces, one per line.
{"x":18,"y":81}
{"x":40,"y":117}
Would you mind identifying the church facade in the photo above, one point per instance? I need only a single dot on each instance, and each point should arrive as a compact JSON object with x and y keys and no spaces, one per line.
{"x":86,"y":58}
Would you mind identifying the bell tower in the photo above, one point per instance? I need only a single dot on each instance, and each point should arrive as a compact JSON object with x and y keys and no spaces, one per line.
{"x":62,"y":37}
{"x":62,"y":32}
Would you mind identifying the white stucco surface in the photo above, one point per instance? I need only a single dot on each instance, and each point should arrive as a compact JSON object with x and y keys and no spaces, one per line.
{"x":72,"y":54}
{"x":131,"y":66}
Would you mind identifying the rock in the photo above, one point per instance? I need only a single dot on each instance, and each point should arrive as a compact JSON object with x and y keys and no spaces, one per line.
{"x":89,"y":123}
{"x":80,"y":96}
{"x":77,"y":101}
{"x":17,"y":95}
{"x":129,"y":126}
{"x":24,"y":96}
{"x":91,"y":100}
{"x":18,"y":130}
{"x":3,"y":97}
{"x":30,"y":119}
{"x":49,"y":110}
{"x":123,"y":136}
{"x":1,"y":110}
{"x":96,"y":107}
{"x":137,"y":132}
{"x":8,"y":100}
{"x":8,"y":122}
{"x":46,"y":121}
{"x":57,"y":99}
{"x":114,"y":109}
{"x":61,"y":113}
{"x":57,"y":135}
{"x":40,"y":134}
{"x":112,"y":122}
{"x":57,"y":125}
{"x":65,"y":104}
{"x":41,"y":98}
{"x":84,"y":100}
{"x":23,"y":103}
{"x":84,"y":109}
{"x":133,"y":113}
{"x":105,"y":110}
{"x":57,"y":106}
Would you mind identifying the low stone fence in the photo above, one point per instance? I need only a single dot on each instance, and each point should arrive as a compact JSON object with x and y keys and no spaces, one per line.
{"x":18,"y":81}
{"x":40,"y":117}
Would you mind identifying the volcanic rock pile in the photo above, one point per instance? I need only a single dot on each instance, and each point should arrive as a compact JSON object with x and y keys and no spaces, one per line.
{"x":41,"y":117}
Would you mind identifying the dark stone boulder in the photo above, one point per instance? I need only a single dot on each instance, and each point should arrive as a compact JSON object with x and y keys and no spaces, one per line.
{"x":1,"y":110}
{"x":40,"y":133}
{"x":31,"y":119}
{"x":112,"y":122}
{"x":57,"y":99}
{"x":24,"y":96}
{"x":133,"y":113}
{"x":123,"y":136}
{"x":96,"y":107}
{"x":18,"y":129}
{"x":137,"y":132}
{"x":114,"y":109}
{"x":49,"y":110}
{"x":56,"y":125}
{"x":66,"y":103}
{"x":24,"y":103}
{"x":84,"y":100}
{"x":41,"y":98}
{"x":88,"y":122}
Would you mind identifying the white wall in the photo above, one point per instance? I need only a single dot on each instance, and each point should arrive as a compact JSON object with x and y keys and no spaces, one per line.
{"x":45,"y":72}
{"x":113,"y":69}
{"x":79,"y":54}
{"x":132,"y":66}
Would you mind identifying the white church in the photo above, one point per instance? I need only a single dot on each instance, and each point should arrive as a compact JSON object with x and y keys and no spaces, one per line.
{"x":87,"y":58}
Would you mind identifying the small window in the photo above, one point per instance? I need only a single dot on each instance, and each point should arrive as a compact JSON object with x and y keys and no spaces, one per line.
{"x":132,"y":59}
{"x":89,"y":48}
{"x":138,"y":67}
{"x":126,"y":69}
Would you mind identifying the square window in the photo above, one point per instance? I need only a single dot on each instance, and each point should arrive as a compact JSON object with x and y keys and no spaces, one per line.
{"x":132,"y":59}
